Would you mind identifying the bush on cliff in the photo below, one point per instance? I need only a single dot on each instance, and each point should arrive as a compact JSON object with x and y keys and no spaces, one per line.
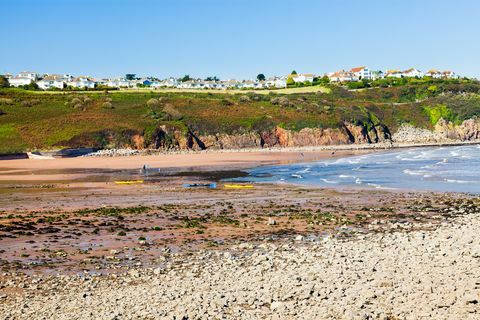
{"x":171,"y":113}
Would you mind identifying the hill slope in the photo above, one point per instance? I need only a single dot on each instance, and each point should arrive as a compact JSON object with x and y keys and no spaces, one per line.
{"x":36,"y":120}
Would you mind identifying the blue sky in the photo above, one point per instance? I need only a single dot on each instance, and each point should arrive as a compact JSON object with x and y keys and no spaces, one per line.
{"x":236,"y":38}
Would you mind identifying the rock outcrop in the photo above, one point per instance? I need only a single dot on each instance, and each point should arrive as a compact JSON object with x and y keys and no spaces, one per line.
{"x":166,"y":137}
{"x":443,"y":132}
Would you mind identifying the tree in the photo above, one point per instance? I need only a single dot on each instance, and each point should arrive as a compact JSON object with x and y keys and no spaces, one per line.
{"x":214,"y":78}
{"x":290,"y":81}
{"x":130,"y":76}
{"x":185,"y":78}
{"x":294,"y":72}
{"x":261,"y":77}
{"x":3,"y":82}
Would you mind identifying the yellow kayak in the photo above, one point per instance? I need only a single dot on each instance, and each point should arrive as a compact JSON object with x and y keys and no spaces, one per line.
{"x":129,"y":182}
{"x":238,"y":186}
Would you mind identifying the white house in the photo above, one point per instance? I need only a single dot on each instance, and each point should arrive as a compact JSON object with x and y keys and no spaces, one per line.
{"x":169,"y":83}
{"x":342,"y":76}
{"x":412,"y":72}
{"x":52,"y":81}
{"x":394,"y":74}
{"x":304,"y":77}
{"x":277,"y":82}
{"x":23,"y":78}
{"x":434,"y":74}
{"x":450,"y":75}
{"x":82,"y":82}
{"x":28,"y":74}
{"x":361,"y":73}
{"x":19,"y":81}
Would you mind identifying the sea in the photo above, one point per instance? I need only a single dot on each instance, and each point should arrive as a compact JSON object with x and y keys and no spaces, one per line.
{"x":446,"y":169}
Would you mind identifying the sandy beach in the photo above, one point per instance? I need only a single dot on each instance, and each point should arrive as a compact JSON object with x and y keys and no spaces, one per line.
{"x":61,"y":168}
{"x":70,"y":236}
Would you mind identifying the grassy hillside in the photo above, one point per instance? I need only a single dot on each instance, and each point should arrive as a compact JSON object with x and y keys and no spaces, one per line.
{"x":32,"y":120}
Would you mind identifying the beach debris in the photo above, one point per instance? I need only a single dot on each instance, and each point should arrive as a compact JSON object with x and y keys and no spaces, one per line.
{"x":299,"y":238}
{"x":271,"y":222}
{"x":238,"y":186}
{"x":145,"y":168}
{"x":200,"y":185}
{"x":126,"y":182}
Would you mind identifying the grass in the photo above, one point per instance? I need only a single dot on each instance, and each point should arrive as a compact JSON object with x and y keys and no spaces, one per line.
{"x":48,"y":120}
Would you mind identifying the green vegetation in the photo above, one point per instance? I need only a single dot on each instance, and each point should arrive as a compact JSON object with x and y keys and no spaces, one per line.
{"x":148,"y":119}
{"x":437,"y":112}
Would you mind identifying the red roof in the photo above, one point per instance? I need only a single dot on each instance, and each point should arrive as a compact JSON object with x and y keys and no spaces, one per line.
{"x":358,"y":69}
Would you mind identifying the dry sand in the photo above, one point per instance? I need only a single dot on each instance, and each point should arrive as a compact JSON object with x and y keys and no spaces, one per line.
{"x":33,"y":169}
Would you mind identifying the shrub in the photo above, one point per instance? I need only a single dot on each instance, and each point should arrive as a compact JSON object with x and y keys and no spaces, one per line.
{"x":75,"y":101}
{"x":227,"y":102}
{"x":171,"y":113}
{"x":282,"y":101}
{"x":2,"y":112}
{"x":107,"y":105}
{"x":87,"y":99}
{"x":153,"y":102}
{"x":244,"y":99}
{"x":6,"y":101}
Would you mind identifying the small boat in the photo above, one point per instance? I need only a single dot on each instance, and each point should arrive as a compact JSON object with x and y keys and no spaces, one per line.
{"x":200,"y":185}
{"x":238,"y":186}
{"x":129,"y":182}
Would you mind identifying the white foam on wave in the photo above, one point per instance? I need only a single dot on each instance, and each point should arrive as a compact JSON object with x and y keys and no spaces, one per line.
{"x":294,"y":175}
{"x":307,"y":169}
{"x":414,"y":172}
{"x":378,"y":186}
{"x":358,"y":181}
{"x":328,"y":181}
{"x":345,"y":176}
{"x":456,"y":181}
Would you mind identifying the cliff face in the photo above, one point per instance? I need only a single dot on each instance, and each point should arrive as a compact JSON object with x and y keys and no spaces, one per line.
{"x":444,"y":131}
{"x":348,"y":133}
{"x":168,"y":137}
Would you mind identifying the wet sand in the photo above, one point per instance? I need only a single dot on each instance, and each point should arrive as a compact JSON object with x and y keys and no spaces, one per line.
{"x":62,"y":168}
{"x":69,"y":233}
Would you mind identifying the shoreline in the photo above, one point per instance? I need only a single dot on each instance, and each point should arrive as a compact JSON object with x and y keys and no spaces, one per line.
{"x":40,"y":168}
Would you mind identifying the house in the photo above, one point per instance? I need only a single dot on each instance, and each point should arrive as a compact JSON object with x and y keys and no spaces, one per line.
{"x":28,"y":74}
{"x":434,"y":73}
{"x":361,"y":73}
{"x":413,"y":73}
{"x":276,"y":82}
{"x":168,"y":83}
{"x":52,"y":81}
{"x":394,"y":74}
{"x":342,"y":76}
{"x":246,"y":84}
{"x":304,"y":77}
{"x":23,"y":78}
{"x":19,"y":81}
{"x":82,"y":82}
{"x":120,"y":83}
{"x":450,"y":75}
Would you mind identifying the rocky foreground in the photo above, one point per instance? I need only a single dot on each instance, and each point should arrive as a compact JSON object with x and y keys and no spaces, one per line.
{"x":413,"y":275}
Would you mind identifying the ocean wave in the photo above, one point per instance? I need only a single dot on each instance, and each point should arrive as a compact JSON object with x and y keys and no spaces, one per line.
{"x":414,"y":172}
{"x":328,"y":181}
{"x":294,"y":175}
{"x":345,"y":176}
{"x":456,"y":181}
